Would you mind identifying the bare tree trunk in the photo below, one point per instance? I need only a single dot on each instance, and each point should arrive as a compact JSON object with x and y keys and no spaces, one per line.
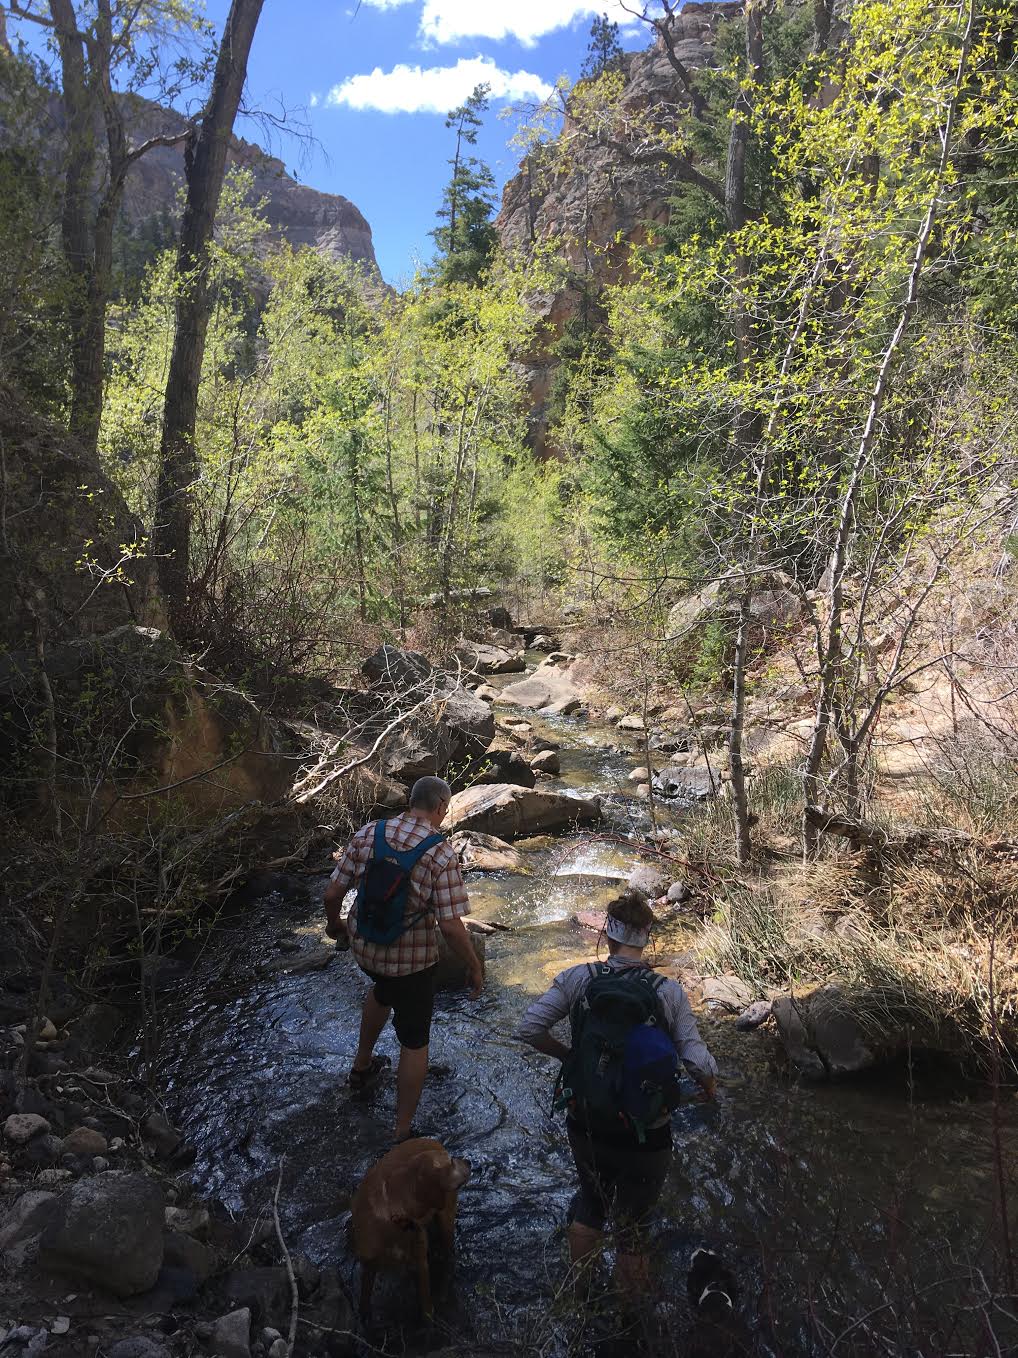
{"x":206,"y":169}
{"x":76,"y":234}
{"x":832,"y":649}
{"x":735,"y":211}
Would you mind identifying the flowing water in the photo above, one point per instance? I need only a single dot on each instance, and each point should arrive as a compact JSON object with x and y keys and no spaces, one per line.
{"x":861,"y":1212}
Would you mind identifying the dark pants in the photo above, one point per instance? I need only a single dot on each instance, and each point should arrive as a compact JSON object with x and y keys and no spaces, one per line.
{"x":412,"y":1001}
{"x":623,"y":1182}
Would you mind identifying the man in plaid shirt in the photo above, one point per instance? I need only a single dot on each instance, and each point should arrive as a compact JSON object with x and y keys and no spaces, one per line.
{"x":404,"y":972}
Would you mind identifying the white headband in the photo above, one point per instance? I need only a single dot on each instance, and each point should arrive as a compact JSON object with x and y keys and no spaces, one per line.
{"x":630,"y":935}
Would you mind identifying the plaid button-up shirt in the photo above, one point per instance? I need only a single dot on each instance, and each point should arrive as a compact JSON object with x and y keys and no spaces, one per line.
{"x":436,"y":885}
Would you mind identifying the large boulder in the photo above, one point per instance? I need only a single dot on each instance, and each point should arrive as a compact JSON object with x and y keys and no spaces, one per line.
{"x":485,"y":853}
{"x":679,"y":783}
{"x":481,"y":658}
{"x":508,"y":811}
{"x":22,"y":1227}
{"x":775,"y":607}
{"x":451,"y":723}
{"x":555,"y":683}
{"x":821,"y":1036}
{"x":176,"y":726}
{"x":107,"y":1230}
{"x":65,"y":525}
{"x":500,"y":763}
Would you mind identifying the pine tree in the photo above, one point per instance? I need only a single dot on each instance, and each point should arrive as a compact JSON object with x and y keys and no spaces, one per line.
{"x":467,"y":237}
{"x":604,"y":51}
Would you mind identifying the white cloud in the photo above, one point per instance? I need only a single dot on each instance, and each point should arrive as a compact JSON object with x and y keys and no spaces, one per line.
{"x":314,"y":100}
{"x":449,"y":21}
{"x":434,"y":89}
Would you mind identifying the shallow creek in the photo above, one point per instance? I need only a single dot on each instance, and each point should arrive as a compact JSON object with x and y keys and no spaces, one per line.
{"x":827,"y":1201}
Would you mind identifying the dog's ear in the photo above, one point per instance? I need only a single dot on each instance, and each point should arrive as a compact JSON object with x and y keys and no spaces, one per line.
{"x":456,"y":1174}
{"x":431,"y":1187}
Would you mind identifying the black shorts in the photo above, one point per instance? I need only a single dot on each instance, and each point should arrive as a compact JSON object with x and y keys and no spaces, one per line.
{"x":621,"y":1182}
{"x":412,"y":1001}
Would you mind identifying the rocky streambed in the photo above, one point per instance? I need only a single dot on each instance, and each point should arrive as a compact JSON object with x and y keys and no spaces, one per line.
{"x":859,"y":1218}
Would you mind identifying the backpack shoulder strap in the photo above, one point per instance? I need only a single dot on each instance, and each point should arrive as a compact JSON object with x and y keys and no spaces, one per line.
{"x":380,"y":844}
{"x":412,"y":857}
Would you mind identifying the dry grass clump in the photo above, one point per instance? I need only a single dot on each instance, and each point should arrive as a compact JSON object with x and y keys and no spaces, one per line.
{"x":947,"y":982}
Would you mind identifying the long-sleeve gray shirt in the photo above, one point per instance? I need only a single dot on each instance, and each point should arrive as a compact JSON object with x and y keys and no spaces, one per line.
{"x":554,"y":1005}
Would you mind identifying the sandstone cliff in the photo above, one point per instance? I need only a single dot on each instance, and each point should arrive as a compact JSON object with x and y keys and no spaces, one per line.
{"x":601,"y":205}
{"x":298,"y":214}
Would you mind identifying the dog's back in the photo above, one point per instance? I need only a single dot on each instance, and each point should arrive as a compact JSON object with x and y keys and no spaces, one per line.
{"x":718,"y":1330}
{"x":414,"y":1185}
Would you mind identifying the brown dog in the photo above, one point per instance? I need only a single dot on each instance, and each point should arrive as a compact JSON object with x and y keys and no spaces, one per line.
{"x":413,"y":1186}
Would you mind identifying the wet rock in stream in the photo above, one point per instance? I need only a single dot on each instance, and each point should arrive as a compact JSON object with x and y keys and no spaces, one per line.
{"x":507,"y":811}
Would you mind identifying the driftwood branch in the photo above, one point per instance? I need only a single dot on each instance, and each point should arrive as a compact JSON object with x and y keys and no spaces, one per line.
{"x":906,"y":838}
{"x":294,"y":1294}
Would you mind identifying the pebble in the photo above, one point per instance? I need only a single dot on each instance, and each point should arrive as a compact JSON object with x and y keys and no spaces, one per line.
{"x":21,"y":1127}
{"x":85,"y":1141}
{"x":60,"y":1326}
{"x":100,"y":1164}
{"x":278,"y":1349}
{"x":49,"y":1178}
{"x":269,"y":1336}
{"x":48,"y":1031}
{"x":117,"y":1144}
{"x":231,"y":1334}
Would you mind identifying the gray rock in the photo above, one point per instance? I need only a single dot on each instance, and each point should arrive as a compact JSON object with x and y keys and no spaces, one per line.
{"x":821,"y":1036}
{"x":231,"y":1334}
{"x":183,"y":1251}
{"x":485,"y":853}
{"x":649,"y":879}
{"x":640,"y":775}
{"x":138,"y":1346}
{"x":679,"y":892}
{"x":23,"y":1226}
{"x":563,"y":707}
{"x":28,"y":1339}
{"x":552,"y":683}
{"x":727,"y":992}
{"x":85,"y":1141}
{"x":753,"y":1016}
{"x":264,"y":1291}
{"x":509,"y":812}
{"x":454,"y":724}
{"x":189,"y":1221}
{"x":546,"y":761}
{"x":20,"y":1128}
{"x":679,"y":783}
{"x":501,"y":763}
{"x":109,"y":1231}
{"x":795,"y":1039}
{"x":485,"y":659}
{"x":632,"y":722}
{"x":161,"y":1135}
{"x":278,"y":1348}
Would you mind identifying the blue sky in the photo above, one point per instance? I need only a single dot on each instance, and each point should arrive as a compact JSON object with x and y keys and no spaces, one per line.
{"x":377,"y":81}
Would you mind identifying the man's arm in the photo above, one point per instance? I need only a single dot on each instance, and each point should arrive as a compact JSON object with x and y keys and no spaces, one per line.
{"x":450,"y":902}
{"x":455,"y":934}
{"x":339,"y":884}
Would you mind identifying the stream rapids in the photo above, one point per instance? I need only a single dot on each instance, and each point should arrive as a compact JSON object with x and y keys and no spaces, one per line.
{"x":830,"y":1203}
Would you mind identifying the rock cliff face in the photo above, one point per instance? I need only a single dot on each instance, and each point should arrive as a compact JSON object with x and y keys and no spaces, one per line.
{"x":298,"y":214}
{"x":602,"y":205}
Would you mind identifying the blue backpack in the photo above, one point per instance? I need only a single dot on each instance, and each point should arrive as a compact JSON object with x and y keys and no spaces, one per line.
{"x":622,"y":1073}
{"x":384,"y":889}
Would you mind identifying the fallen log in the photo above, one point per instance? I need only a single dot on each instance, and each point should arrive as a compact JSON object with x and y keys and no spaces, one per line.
{"x":902,"y":839}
